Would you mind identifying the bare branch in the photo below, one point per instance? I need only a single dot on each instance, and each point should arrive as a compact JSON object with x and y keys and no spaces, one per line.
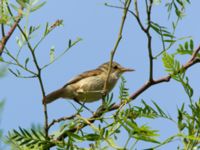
{"x":61,"y":119}
{"x":126,"y":8}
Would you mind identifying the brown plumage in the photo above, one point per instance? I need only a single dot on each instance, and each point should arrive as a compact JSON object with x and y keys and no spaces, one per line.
{"x":88,"y":86}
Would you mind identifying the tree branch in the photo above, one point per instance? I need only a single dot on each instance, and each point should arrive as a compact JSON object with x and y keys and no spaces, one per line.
{"x":38,"y":73}
{"x":192,"y":61}
{"x":61,"y":119}
{"x":6,"y":37}
{"x":2,"y":25}
{"x":137,"y":16}
{"x":145,"y":30}
{"x":126,"y":8}
{"x":148,"y":9}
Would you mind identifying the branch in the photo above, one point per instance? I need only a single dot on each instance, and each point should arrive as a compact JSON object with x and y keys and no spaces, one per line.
{"x":38,"y":74}
{"x":146,"y":30}
{"x":6,"y":37}
{"x":61,"y":119}
{"x":2,"y":25}
{"x":192,"y":61}
{"x":148,"y":9}
{"x":137,"y":16}
{"x":126,"y":8}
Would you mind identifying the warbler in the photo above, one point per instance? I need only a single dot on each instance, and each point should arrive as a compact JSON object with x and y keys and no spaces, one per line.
{"x":89,"y":86}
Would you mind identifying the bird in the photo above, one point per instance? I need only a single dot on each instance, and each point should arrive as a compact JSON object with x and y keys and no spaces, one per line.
{"x":89,"y":86}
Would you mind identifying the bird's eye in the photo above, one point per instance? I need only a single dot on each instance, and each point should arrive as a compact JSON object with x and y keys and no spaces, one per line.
{"x":115,"y":67}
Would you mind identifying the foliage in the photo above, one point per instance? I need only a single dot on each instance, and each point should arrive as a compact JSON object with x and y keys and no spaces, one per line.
{"x":178,"y":6}
{"x":176,"y":71}
{"x":1,"y":130}
{"x":103,"y":130}
{"x":3,"y":70}
{"x":123,"y":94}
{"x":28,"y":139}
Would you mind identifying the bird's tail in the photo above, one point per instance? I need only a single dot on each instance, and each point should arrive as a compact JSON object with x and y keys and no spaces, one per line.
{"x":54,"y":95}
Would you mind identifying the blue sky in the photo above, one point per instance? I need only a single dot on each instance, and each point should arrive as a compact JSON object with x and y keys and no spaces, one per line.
{"x":98,"y":26}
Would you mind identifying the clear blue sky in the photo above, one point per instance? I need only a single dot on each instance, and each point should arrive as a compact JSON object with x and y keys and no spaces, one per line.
{"x":98,"y":26}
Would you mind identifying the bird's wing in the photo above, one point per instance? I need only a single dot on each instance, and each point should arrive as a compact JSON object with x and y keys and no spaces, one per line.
{"x":83,"y":75}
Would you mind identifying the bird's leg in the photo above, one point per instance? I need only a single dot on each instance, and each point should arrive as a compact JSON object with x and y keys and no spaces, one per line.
{"x":104,"y":93}
{"x":83,"y":105}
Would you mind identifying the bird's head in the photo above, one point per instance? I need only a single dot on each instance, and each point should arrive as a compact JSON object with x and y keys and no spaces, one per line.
{"x":116,"y":69}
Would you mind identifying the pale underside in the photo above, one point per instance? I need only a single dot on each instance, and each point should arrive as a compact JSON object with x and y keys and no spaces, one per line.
{"x":87,"y":89}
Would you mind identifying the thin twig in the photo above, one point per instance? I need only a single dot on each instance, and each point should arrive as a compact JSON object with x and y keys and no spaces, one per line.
{"x":38,"y":73}
{"x":61,"y":119}
{"x":6,"y":37}
{"x":137,"y":16}
{"x":126,"y":8}
{"x":2,"y":24}
{"x":149,"y":40}
{"x":17,"y":63}
{"x":60,"y":55}
{"x":146,"y":31}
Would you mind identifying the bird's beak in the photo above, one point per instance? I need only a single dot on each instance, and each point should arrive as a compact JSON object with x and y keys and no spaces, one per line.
{"x":126,"y":70}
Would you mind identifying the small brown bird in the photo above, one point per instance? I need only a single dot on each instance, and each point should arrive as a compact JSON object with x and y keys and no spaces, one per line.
{"x":88,"y":86}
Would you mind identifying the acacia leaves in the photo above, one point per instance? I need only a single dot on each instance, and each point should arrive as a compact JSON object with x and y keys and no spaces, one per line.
{"x":177,"y":72}
{"x":178,"y":6}
{"x":188,"y":125}
{"x":28,"y":139}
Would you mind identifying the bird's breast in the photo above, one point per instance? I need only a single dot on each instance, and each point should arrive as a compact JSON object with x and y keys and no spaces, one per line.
{"x":89,"y":89}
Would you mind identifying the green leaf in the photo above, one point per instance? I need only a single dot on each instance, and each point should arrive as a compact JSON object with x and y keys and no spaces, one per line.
{"x":33,"y":29}
{"x":11,"y":71}
{"x":28,"y":139}
{"x":35,"y":134}
{"x":171,"y":65}
{"x":155,"y":28}
{"x":52,"y":54}
{"x":184,"y":52}
{"x":188,"y":48}
{"x":2,"y":103}
{"x":161,"y":112}
{"x":37,"y":6}
{"x":191,"y":44}
{"x":186,"y":45}
{"x":46,"y":31}
{"x":18,"y":72}
{"x":111,"y":142}
{"x":69,"y":43}
{"x":168,"y":140}
{"x":21,"y":3}
{"x":14,"y":7}
{"x":180,"y":2}
{"x":92,"y":137}
{"x":169,"y":35}
{"x":123,"y":95}
{"x":3,"y":71}
{"x":26,"y":62}
{"x":1,"y":59}
{"x":170,"y":41}
{"x":19,"y":42}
